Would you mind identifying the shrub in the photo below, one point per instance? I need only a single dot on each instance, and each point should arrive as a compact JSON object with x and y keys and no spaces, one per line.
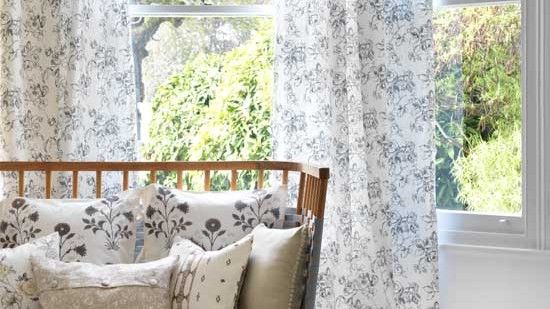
{"x":490,"y":176}
{"x":479,"y":106}
{"x":217,"y":108}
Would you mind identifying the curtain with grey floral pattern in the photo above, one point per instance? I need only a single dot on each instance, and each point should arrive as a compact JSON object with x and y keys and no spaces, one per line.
{"x":66,"y":87}
{"x":355,"y":92}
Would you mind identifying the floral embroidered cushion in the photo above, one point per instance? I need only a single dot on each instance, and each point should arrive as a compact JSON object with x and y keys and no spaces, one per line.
{"x":98,"y":231}
{"x":277,"y":264}
{"x":16,"y":286}
{"x":89,"y":286}
{"x":209,"y":279}
{"x":212,"y":220}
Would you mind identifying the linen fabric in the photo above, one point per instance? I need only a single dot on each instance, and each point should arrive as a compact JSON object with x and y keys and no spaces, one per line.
{"x":101,"y":231}
{"x":209,"y":279}
{"x":212,"y":220}
{"x":17,"y":289}
{"x":89,"y":286}
{"x":354,"y":91}
{"x":66,"y":90}
{"x":275,"y":277}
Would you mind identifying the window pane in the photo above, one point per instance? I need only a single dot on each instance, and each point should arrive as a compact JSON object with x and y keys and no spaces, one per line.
{"x":478,"y":93}
{"x":202,"y":2}
{"x":205,"y":85}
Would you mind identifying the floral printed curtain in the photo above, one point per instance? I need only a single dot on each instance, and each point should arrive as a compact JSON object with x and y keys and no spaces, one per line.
{"x":66,"y":87}
{"x":355,"y":92}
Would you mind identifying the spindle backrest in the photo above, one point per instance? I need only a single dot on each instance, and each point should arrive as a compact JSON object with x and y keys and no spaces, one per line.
{"x":311,"y":192}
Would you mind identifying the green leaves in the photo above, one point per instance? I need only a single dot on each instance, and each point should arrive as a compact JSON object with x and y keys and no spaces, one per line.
{"x":217,"y":108}
{"x":478,"y":94}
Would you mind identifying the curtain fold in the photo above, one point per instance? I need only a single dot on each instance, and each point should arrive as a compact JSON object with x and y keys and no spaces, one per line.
{"x":355,"y":92}
{"x":66,"y":88}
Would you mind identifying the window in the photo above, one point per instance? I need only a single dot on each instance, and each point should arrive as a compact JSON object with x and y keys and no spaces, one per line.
{"x":478,"y":94}
{"x":202,"y":66}
{"x":489,"y":175}
{"x":204,"y":79}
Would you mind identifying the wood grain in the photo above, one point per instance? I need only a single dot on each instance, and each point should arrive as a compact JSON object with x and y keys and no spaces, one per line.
{"x":21,"y":183}
{"x":312,"y":188}
{"x":75,"y":184}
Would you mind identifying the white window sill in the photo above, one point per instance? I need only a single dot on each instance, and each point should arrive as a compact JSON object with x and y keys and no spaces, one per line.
{"x":471,"y":229}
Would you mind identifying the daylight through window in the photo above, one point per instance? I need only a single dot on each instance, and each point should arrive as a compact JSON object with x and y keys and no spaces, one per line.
{"x":204,"y":87}
{"x":479,"y":121}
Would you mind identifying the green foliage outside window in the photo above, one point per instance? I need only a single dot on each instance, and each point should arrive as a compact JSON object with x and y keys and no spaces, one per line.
{"x":479,"y":109}
{"x":217,"y":108}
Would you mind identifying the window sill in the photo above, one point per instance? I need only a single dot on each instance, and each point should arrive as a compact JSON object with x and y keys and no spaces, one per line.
{"x":467,"y":228}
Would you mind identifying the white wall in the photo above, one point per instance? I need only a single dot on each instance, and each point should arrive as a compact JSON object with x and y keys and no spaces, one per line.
{"x":489,"y":278}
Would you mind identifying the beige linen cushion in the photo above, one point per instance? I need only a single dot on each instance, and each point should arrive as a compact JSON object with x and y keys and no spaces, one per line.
{"x":275,"y":277}
{"x":88,"y":286}
{"x":209,"y":279}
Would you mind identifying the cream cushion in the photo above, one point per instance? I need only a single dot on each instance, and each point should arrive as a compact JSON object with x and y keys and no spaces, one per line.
{"x":88,"y":286}
{"x":209,"y":279}
{"x":275,"y":277}
{"x":212,"y":220}
{"x":16,"y":279}
{"x":99,"y":231}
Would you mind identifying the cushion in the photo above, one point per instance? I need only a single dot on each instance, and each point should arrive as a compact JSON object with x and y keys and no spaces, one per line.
{"x":98,"y":231}
{"x":16,"y":284}
{"x":212,"y":220}
{"x":209,"y":279}
{"x":89,"y":286}
{"x":277,"y":264}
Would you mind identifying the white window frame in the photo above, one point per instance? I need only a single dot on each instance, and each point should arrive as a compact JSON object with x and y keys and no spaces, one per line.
{"x":528,"y":231}
{"x":153,"y":10}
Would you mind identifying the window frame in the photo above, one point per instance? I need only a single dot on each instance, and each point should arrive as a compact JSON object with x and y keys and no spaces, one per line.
{"x":529,"y":230}
{"x":153,"y":10}
{"x":462,"y":3}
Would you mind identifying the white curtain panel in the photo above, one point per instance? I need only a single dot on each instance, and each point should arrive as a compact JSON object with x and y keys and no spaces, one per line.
{"x":355,"y":92}
{"x":66,"y":87}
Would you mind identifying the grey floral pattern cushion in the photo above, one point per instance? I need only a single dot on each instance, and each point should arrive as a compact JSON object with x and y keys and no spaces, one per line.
{"x":209,"y":279}
{"x":212,"y":220}
{"x":16,"y":278}
{"x":98,"y":231}
{"x":89,"y":286}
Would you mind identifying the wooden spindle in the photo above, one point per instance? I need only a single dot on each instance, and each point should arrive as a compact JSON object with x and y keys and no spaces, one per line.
{"x":307,"y":202}
{"x":315,"y":197}
{"x":301,"y":191}
{"x":260,"y":179}
{"x":234,"y":176}
{"x":207,"y":180}
{"x":75,"y":184}
{"x":98,"y":182}
{"x":322,"y":199}
{"x":48,"y":184}
{"x":125,"y":180}
{"x":153,"y":176}
{"x":179,"y":179}
{"x":21,"y":184}
{"x":285,"y":177}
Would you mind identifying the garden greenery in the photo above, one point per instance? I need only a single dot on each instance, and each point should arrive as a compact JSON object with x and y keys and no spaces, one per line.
{"x":217,"y":108}
{"x":479,"y":108}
